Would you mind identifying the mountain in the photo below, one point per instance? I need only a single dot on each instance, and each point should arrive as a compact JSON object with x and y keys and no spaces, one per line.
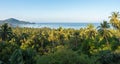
{"x":14,"y":22}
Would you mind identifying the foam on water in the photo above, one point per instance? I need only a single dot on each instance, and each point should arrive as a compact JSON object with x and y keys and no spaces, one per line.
{"x":57,"y":25}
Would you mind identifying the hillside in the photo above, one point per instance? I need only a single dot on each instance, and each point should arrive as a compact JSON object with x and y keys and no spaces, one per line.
{"x":13,"y":22}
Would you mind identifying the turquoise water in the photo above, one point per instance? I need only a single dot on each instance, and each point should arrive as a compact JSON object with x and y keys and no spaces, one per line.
{"x":57,"y":25}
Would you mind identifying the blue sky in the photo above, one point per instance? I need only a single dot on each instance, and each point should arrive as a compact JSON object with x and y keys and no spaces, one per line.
{"x":58,"y":10}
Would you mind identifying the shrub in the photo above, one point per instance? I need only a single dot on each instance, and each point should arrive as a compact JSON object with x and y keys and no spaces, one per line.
{"x":108,"y":57}
{"x":66,"y":57}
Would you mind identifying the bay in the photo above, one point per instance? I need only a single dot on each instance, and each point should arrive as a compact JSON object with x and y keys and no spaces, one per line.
{"x":57,"y":25}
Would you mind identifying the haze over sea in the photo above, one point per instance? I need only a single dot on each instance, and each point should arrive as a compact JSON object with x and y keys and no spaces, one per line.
{"x":57,"y":25}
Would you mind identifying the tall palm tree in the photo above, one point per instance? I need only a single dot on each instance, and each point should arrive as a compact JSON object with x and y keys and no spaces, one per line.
{"x":114,"y":20}
{"x":17,"y":57}
{"x":77,"y":38}
{"x":104,"y":31}
{"x":21,"y":56}
{"x":5,"y":31}
{"x":91,"y":32}
{"x":62,"y":38}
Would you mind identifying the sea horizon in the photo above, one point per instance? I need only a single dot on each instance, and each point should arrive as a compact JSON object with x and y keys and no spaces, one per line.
{"x":57,"y":25}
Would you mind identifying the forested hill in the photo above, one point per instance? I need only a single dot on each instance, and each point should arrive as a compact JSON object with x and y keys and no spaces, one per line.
{"x":13,"y":21}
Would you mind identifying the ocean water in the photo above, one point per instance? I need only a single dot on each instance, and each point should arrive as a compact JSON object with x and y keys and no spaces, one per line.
{"x":57,"y":25}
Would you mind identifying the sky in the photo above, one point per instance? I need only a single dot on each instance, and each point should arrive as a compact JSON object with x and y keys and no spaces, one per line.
{"x":44,"y":11}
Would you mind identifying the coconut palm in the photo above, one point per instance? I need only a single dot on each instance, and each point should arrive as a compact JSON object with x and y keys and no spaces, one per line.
{"x":114,"y":20}
{"x":104,"y":31}
{"x":21,"y":56}
{"x":77,"y":38}
{"x":5,"y":32}
{"x":61,"y":38}
{"x":17,"y":57}
{"x":90,"y":31}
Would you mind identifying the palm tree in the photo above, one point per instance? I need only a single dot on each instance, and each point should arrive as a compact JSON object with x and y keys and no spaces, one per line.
{"x":91,"y":32}
{"x":114,"y":20}
{"x":17,"y":57}
{"x":76,"y":36}
{"x":52,"y":37}
{"x":5,"y":32}
{"x":104,"y":31}
{"x":21,"y":56}
{"x":62,"y":38}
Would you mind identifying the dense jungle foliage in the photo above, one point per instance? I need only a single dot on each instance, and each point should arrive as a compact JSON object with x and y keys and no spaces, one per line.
{"x":88,"y":45}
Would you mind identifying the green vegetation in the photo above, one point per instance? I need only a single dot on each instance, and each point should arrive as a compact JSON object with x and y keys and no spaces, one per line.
{"x":88,"y":45}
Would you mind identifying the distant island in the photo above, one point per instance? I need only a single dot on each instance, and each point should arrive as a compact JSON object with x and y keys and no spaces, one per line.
{"x":14,"y":22}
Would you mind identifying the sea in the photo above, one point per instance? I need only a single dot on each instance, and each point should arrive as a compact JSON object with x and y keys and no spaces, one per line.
{"x":57,"y":25}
